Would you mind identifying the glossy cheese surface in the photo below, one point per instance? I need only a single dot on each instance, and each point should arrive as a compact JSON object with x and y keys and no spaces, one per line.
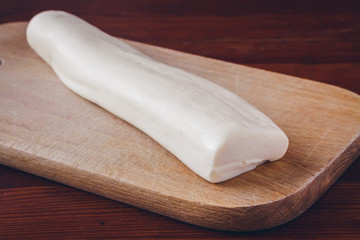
{"x":213,"y":131}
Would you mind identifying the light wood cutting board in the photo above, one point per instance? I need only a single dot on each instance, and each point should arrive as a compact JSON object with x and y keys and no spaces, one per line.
{"x":47,"y":130}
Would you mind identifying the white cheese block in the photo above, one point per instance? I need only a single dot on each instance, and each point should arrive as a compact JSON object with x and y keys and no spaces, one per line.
{"x":211,"y":130}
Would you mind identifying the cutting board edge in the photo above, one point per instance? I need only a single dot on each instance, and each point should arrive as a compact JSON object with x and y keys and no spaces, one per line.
{"x":228,"y":225}
{"x":198,"y":214}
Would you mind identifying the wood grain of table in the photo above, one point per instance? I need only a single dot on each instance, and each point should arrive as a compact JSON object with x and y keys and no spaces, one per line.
{"x":318,"y":40}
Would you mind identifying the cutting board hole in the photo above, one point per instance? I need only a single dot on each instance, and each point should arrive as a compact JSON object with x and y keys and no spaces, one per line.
{"x":1,"y":62}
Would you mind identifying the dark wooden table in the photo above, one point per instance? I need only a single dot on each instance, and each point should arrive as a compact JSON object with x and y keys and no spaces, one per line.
{"x":319,"y":40}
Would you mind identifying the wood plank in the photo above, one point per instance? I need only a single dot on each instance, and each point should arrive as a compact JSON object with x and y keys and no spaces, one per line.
{"x":245,"y":32}
{"x":345,"y":75}
{"x":46,"y":211}
{"x":43,"y":125}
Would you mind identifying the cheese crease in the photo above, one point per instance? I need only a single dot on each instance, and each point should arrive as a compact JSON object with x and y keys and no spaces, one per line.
{"x":211,"y":130}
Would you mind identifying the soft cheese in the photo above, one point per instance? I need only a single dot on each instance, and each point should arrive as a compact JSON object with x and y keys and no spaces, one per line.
{"x":211,"y":130}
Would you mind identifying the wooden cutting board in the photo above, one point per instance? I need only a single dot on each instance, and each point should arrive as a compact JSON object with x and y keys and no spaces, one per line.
{"x":47,"y":130}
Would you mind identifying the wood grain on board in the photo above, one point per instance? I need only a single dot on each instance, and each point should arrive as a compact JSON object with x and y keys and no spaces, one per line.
{"x":49,"y":131}
{"x":317,"y":40}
